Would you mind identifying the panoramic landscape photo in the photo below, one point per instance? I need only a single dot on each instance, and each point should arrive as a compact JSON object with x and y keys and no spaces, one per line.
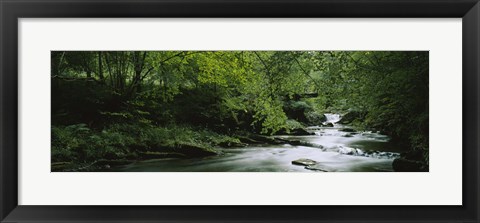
{"x":239,"y":111}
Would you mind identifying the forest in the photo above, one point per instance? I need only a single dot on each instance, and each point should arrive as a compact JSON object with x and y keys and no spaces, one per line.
{"x":191,"y":110}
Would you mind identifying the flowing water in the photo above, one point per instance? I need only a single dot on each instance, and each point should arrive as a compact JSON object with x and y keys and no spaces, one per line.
{"x":331,"y":118}
{"x":334,"y":149}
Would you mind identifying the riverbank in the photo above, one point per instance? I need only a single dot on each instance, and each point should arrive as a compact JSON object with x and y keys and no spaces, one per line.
{"x":79,"y":148}
{"x":184,"y":147}
{"x":328,"y":150}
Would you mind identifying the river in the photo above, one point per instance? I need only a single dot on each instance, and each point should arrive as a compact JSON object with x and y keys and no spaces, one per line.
{"x":333,"y":149}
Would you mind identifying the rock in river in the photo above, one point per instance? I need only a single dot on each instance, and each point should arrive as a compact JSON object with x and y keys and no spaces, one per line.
{"x":320,"y":167}
{"x":300,"y":132}
{"x":304,"y":162}
{"x":328,"y":124}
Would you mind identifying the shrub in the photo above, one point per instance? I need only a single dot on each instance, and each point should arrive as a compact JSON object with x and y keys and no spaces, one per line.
{"x":293,"y":124}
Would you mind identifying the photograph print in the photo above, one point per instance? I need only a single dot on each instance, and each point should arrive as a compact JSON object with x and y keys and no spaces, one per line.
{"x":240,"y":111}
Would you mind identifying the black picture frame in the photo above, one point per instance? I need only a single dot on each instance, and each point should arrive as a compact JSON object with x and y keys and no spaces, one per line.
{"x":11,"y":11}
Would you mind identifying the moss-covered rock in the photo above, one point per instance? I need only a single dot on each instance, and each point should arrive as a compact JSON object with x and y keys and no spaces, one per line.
{"x":295,"y":132}
{"x":297,"y":109}
{"x":328,"y":124}
{"x":247,"y":140}
{"x":351,"y":116}
{"x":304,"y":162}
{"x":265,"y":139}
{"x":314,"y":118}
{"x":191,"y":150}
{"x":300,"y":132}
{"x":159,"y":155}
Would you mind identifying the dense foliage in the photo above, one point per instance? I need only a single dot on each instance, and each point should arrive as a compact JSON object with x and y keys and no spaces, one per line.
{"x":119,"y":104}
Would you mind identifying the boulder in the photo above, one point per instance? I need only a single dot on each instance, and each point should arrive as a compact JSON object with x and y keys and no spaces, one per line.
{"x":300,"y":132}
{"x":359,"y":152}
{"x":191,"y":150}
{"x":293,"y":142}
{"x":247,"y":140}
{"x":351,"y":116}
{"x":297,"y":110}
{"x":346,"y":150}
{"x":295,"y":131}
{"x":304,"y":162}
{"x":265,"y":139}
{"x":320,"y":167}
{"x":328,"y":124}
{"x":314,"y":118}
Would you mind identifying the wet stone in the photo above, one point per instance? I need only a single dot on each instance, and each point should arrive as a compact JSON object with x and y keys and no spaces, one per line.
{"x":304,"y":162}
{"x":320,"y":167}
{"x":328,"y":124}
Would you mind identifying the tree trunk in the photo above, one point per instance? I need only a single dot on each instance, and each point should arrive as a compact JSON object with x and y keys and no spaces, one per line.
{"x":100,"y":68}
